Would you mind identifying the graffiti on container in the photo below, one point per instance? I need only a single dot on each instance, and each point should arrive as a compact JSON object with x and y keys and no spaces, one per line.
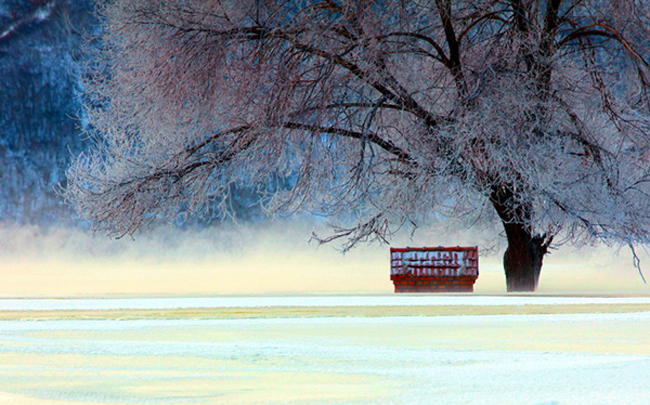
{"x":441,"y":269}
{"x":441,"y":261}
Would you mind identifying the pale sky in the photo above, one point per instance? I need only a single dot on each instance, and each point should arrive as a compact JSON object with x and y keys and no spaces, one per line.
{"x":267,"y":259}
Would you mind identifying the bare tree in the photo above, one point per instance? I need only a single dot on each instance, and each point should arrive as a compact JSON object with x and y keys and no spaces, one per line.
{"x":384,"y":111}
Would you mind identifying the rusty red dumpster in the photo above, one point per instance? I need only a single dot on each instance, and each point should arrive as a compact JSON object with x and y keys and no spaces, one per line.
{"x":434,"y":269}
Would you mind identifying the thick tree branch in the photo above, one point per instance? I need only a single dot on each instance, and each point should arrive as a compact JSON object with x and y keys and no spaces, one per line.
{"x":371,"y":137}
{"x":444,"y":11}
{"x":606,"y":32}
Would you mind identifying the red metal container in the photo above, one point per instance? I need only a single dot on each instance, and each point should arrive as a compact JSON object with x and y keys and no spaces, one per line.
{"x":434,"y":269}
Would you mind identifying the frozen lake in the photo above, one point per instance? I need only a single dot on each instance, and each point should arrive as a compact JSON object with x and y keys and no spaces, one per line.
{"x":571,"y":359}
{"x":307,"y":301}
{"x":533,"y":359}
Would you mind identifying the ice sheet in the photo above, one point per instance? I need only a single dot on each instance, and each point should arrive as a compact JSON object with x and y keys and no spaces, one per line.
{"x":571,"y":359}
{"x":308,"y":301}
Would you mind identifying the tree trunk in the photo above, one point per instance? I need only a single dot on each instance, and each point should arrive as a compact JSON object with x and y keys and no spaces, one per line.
{"x":523,"y":258}
{"x":522,"y":261}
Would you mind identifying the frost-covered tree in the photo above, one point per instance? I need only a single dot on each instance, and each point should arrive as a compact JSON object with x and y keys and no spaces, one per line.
{"x":534,"y":113}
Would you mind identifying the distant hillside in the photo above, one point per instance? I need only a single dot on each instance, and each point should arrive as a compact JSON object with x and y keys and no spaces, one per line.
{"x":40,"y":46}
{"x":41,"y":50}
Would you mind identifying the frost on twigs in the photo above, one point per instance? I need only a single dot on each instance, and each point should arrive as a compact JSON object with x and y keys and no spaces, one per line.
{"x":538,"y":110}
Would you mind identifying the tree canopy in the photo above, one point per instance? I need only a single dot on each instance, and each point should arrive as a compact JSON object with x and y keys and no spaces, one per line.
{"x":534,"y":113}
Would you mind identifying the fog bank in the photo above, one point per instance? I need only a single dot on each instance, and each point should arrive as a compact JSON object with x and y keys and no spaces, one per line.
{"x":270,"y":258}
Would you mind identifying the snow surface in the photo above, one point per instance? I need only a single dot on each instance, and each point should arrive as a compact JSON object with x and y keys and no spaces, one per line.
{"x":307,"y":301}
{"x":572,"y":359}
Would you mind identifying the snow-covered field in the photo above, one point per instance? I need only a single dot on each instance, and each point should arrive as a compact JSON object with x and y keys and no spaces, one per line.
{"x":590,"y":358}
{"x":307,"y":301}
